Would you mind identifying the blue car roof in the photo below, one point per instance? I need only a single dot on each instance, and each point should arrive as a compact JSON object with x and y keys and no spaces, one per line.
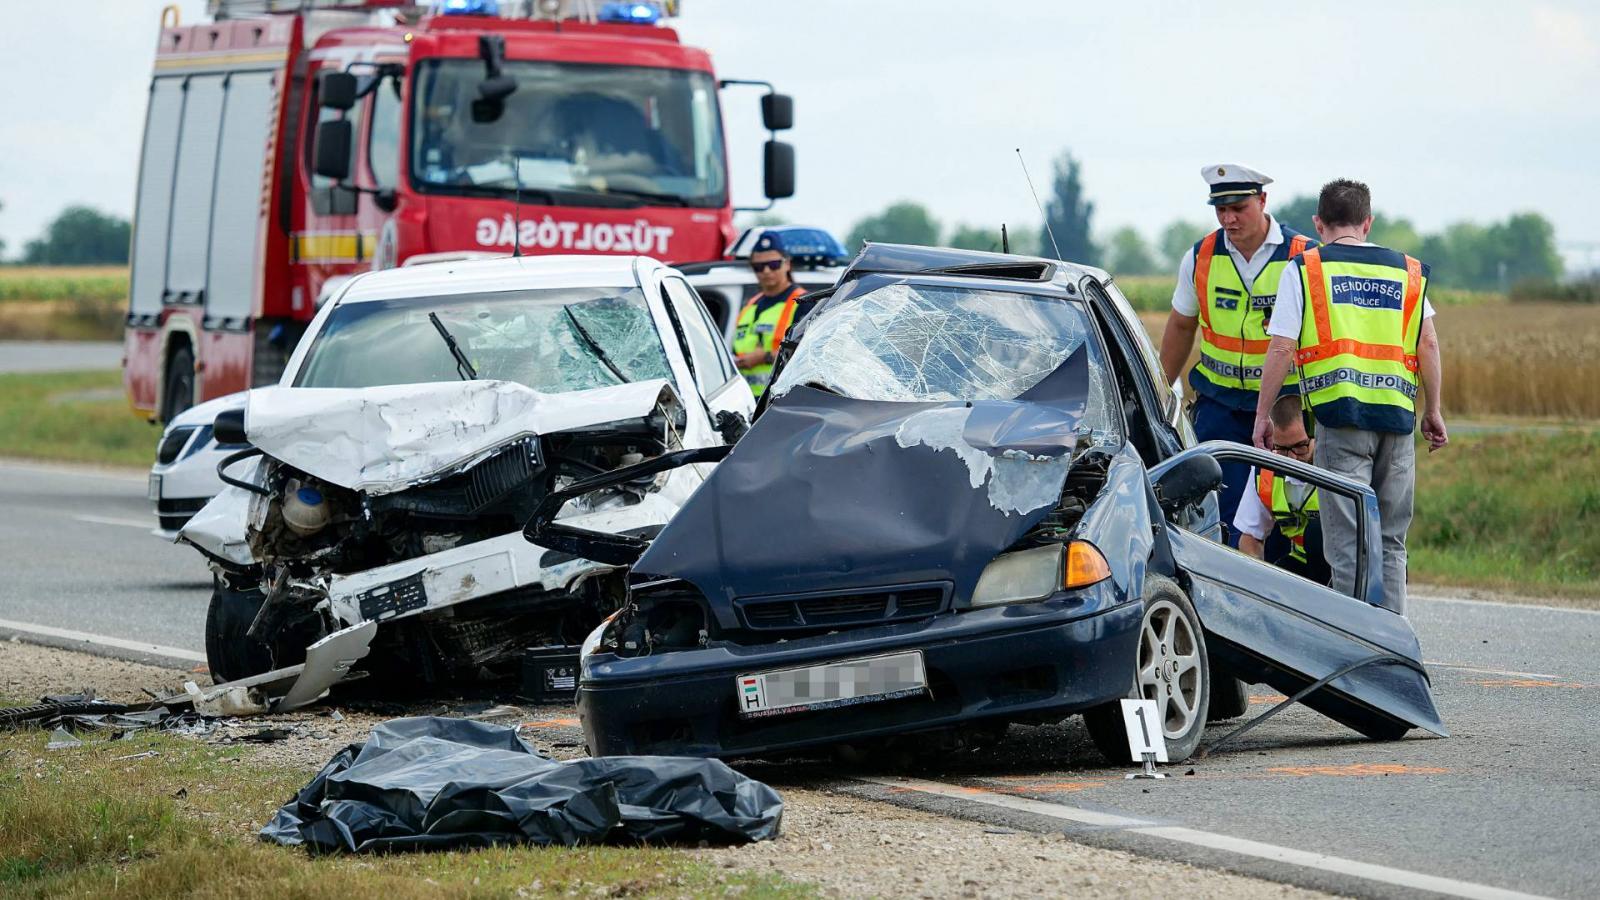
{"x":909,"y":259}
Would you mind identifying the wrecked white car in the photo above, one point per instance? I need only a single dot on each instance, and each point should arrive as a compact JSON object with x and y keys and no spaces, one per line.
{"x":377,"y":512}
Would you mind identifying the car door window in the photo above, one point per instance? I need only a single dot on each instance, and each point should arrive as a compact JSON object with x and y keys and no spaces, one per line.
{"x":711,"y":365}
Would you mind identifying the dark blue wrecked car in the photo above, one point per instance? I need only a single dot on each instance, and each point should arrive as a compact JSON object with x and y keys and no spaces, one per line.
{"x":968,"y":500}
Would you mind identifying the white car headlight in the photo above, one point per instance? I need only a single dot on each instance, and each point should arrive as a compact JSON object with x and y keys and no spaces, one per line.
{"x":1025,"y":576}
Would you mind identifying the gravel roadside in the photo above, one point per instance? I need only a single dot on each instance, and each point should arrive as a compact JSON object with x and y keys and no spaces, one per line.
{"x":846,"y":846}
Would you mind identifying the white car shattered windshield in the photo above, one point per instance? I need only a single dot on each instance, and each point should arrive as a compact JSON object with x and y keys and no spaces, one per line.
{"x":554,"y":341}
{"x":919,"y":343}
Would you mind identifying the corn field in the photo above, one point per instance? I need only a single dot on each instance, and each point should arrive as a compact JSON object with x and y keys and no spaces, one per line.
{"x":1520,"y":360}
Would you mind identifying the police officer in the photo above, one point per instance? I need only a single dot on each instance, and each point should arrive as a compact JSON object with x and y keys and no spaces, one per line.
{"x":1278,"y":521}
{"x":1355,"y":319}
{"x":1225,"y":290}
{"x":767,"y":316}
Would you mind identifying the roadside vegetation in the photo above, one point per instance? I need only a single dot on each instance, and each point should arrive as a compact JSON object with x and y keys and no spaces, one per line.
{"x":72,"y":417}
{"x":81,"y":303}
{"x":106,"y":820}
{"x":1517,"y":511}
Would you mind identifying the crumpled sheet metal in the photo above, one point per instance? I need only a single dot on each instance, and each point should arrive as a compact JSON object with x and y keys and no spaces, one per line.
{"x":1019,"y":482}
{"x":920,"y":343}
{"x":432,"y":783}
{"x":387,"y":439}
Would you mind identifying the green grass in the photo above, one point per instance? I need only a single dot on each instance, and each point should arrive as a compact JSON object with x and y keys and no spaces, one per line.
{"x":72,"y":417}
{"x":1516,"y":511}
{"x":80,"y":822}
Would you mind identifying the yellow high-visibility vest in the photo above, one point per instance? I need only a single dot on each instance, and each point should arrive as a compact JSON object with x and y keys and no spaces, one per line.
{"x":1233,"y":319}
{"x":1359,"y":334}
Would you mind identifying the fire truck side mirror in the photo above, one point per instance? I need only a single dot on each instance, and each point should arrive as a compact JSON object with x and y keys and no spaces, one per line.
{"x":779,"y":175}
{"x":334,"y":141}
{"x":339,"y":90}
{"x":777,"y":112}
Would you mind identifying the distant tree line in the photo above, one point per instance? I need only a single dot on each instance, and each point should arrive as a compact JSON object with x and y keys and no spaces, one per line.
{"x":1520,"y":249}
{"x":79,"y":236}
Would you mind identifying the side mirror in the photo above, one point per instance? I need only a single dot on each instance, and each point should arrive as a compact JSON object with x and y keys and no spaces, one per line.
{"x":335,"y":138}
{"x":731,"y":425}
{"x":229,"y":427}
{"x":1188,"y":483}
{"x":497,"y":89}
{"x":339,"y":90}
{"x":777,"y":112}
{"x":779,"y":170}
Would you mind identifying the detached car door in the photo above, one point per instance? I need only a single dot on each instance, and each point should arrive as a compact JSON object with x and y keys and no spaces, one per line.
{"x":1270,"y":626}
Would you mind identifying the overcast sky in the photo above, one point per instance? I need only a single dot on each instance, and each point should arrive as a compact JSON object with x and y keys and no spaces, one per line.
{"x":1466,"y":110}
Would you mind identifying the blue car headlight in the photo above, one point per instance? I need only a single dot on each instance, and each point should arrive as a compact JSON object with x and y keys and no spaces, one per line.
{"x":1026,"y":576}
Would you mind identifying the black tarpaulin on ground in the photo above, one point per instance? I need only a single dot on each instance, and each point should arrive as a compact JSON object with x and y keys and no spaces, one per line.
{"x":431,"y":783}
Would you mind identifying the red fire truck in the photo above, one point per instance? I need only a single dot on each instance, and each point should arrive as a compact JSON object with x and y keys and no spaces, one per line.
{"x":290,"y":144}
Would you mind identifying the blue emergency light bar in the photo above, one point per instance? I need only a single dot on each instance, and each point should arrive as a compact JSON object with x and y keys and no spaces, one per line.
{"x":630,"y":13}
{"x":469,"y":7}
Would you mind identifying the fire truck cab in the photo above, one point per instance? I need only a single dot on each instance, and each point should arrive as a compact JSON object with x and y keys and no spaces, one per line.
{"x":290,"y":144}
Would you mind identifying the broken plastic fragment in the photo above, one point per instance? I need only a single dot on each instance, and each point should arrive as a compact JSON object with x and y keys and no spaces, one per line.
{"x":234,"y":700}
{"x":62,"y":739}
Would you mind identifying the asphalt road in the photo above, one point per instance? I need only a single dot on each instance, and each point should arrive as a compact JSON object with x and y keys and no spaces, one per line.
{"x":59,"y":356}
{"x":76,"y":553}
{"x":1505,"y":803}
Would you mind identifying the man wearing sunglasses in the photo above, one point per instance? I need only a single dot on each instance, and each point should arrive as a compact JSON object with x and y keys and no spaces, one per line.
{"x":767,"y":316}
{"x":1278,"y":521}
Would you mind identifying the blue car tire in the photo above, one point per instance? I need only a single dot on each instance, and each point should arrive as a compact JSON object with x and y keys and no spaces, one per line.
{"x":1172,"y":668}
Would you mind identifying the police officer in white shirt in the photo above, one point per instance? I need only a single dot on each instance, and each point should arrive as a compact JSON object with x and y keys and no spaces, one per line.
{"x":1226,"y":284}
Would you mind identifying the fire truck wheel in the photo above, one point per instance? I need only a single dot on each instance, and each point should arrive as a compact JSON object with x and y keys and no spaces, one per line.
{"x":179,"y":393}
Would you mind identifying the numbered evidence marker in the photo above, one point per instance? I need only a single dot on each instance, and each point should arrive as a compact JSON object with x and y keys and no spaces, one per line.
{"x":1145,"y":742}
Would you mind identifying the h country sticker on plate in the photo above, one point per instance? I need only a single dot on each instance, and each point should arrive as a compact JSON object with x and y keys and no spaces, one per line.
{"x":829,"y":685}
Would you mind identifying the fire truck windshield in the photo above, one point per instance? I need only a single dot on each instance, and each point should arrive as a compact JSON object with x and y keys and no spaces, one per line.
{"x":580,"y":135}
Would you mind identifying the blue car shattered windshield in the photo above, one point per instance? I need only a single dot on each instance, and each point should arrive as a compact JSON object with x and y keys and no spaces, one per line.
{"x":921,"y":343}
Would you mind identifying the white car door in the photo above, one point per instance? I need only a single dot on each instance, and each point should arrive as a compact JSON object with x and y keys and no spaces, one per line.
{"x":724,"y":390}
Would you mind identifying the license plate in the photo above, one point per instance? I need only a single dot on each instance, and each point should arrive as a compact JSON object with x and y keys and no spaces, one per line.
{"x":155,"y":488}
{"x":831,"y":685}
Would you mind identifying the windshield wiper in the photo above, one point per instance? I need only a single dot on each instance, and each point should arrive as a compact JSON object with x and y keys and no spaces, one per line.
{"x":600,"y":354}
{"x":463,"y":366}
{"x":650,"y":197}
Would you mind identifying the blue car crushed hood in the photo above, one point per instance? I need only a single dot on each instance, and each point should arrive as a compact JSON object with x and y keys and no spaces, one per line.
{"x":798,"y":506}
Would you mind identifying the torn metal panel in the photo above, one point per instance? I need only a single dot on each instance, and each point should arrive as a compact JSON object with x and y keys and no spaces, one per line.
{"x":328,"y":661}
{"x":380,"y":440}
{"x":221,"y":529}
{"x":493,"y":566}
{"x":1018,"y":481}
{"x":435,"y":784}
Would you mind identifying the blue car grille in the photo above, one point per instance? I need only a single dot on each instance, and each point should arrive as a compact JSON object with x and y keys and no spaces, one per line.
{"x":838,"y":609}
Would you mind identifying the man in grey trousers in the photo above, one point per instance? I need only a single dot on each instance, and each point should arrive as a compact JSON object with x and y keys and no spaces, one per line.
{"x":1354,"y":318}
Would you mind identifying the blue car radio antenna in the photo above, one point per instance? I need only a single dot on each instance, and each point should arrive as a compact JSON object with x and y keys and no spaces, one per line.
{"x":1048,"y":230}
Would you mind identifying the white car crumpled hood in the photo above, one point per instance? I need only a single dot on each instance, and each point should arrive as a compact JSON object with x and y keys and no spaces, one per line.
{"x":386,"y":439}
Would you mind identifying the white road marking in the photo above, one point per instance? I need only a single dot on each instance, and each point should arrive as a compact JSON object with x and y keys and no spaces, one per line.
{"x":101,"y":640}
{"x":1465,"y":602}
{"x":1195,"y":837}
{"x":1484,"y":671}
{"x":113,"y":520}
